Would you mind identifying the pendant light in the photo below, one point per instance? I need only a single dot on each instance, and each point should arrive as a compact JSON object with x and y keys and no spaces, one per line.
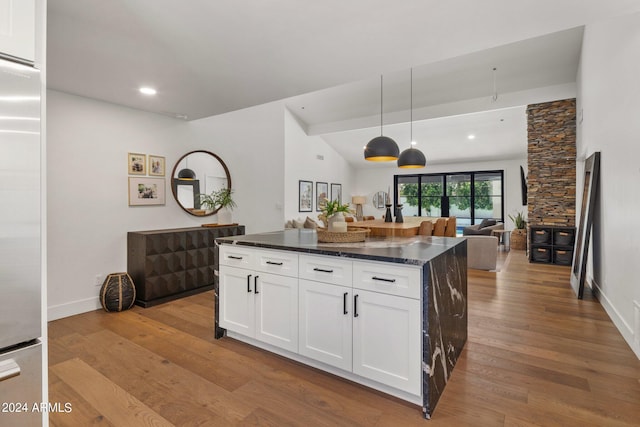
{"x":381,"y":148}
{"x":186,"y":173}
{"x":411,"y":157}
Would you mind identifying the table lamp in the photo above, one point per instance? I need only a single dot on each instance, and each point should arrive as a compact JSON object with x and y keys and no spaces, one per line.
{"x":358,"y":201}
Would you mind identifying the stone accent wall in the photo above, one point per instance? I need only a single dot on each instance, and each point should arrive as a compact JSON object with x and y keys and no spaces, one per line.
{"x":551,"y":179}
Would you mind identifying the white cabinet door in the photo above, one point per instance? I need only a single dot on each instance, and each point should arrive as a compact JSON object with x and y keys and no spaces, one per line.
{"x":17,"y":28}
{"x":276,"y":310}
{"x":386,"y":340}
{"x":325,"y":323}
{"x":237,"y":303}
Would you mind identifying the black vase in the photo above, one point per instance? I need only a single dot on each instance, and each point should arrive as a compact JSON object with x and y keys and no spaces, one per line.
{"x":387,"y":216}
{"x":399,"y":217}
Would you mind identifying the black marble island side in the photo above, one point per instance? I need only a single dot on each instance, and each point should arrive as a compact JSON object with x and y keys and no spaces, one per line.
{"x":443,"y":262}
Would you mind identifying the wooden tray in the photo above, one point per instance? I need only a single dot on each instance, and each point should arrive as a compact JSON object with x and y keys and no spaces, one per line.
{"x":215,"y":224}
{"x":350,"y":236}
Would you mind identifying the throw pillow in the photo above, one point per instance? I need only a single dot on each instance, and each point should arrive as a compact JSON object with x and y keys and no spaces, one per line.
{"x":309,"y":223}
{"x":487,"y":223}
{"x":298,"y":223}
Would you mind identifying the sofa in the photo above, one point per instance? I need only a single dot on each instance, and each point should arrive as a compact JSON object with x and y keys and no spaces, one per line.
{"x":482,"y":252}
{"x":485,"y":228}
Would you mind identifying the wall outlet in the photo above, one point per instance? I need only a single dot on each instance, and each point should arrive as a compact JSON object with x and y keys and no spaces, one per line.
{"x":99,"y":280}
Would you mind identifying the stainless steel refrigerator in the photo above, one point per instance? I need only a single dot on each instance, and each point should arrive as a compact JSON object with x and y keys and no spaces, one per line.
{"x":20,"y":243}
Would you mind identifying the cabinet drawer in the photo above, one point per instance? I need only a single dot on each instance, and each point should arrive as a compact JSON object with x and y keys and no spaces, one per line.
{"x":326,"y":269}
{"x":277,"y":262}
{"x":403,"y":281}
{"x":237,"y":256}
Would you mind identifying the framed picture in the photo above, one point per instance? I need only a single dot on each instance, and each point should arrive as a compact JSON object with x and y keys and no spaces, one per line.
{"x":137,"y":164}
{"x":146,"y":191}
{"x":322,"y":194}
{"x":336,"y":192}
{"x":156,"y":165}
{"x":305,"y":198}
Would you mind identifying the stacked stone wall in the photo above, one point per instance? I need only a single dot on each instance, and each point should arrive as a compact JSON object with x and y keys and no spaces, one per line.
{"x":551,"y":179}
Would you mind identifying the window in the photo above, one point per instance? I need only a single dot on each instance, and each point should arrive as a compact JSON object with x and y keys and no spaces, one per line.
{"x":469,"y":196}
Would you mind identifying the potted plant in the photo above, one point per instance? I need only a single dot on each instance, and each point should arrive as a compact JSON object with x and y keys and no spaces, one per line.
{"x":333,"y":211}
{"x":220,"y":200}
{"x":519,"y":234}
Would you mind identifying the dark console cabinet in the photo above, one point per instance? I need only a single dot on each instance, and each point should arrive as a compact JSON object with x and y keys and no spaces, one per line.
{"x":171,"y":264}
{"x":551,"y":244}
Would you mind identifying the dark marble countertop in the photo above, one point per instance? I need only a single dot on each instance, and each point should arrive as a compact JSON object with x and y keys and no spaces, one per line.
{"x":416,"y":250}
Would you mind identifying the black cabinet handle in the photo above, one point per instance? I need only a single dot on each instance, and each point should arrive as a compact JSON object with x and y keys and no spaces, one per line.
{"x":248,"y":282}
{"x":355,"y":306}
{"x":322,"y":270}
{"x":274,"y":263}
{"x":382,"y":279}
{"x":344,"y":303}
{"x":255,"y":284}
{"x":234,"y":257}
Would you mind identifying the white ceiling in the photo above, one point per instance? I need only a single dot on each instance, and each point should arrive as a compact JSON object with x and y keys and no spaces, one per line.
{"x":209,"y":57}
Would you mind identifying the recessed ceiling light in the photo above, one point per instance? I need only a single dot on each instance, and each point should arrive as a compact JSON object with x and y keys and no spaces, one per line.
{"x":148,"y":90}
{"x":471,"y":136}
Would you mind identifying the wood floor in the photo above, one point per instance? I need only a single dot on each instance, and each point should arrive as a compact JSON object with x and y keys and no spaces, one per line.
{"x":535,"y":356}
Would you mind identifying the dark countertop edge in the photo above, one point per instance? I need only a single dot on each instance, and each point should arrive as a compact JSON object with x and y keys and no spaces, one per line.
{"x":317,"y":251}
{"x":233,"y":240}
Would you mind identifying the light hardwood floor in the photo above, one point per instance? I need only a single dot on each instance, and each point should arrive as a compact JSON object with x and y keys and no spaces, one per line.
{"x":535,"y":356}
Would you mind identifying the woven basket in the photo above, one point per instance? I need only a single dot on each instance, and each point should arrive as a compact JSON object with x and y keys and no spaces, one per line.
{"x":117,"y":292}
{"x":519,"y":239}
{"x":352,"y":235}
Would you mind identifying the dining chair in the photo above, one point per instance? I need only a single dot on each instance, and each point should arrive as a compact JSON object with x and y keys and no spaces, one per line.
{"x":439,"y":227}
{"x":450,"y":229}
{"x":426,"y":228}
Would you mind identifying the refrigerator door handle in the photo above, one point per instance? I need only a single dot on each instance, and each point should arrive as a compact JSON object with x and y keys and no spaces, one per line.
{"x":9,"y":369}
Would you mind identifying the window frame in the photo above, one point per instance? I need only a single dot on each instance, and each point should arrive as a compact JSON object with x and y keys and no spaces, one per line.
{"x":445,"y":197}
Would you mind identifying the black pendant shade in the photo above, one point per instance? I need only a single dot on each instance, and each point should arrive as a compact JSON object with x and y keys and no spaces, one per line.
{"x":411,"y":158}
{"x":381,"y":149}
{"x":186,"y":174}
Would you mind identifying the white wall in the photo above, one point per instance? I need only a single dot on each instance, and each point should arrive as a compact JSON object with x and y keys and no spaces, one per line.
{"x":609,"y":97}
{"x":251,"y":143}
{"x":88,"y":212}
{"x":302,"y":163}
{"x":370,"y":181}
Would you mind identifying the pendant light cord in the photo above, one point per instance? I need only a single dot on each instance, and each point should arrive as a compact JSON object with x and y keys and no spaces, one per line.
{"x":381,"y":104}
{"x":411,"y":109}
{"x":495,"y":86}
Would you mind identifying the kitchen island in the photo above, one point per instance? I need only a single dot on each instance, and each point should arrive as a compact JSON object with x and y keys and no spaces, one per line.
{"x":390,"y":313}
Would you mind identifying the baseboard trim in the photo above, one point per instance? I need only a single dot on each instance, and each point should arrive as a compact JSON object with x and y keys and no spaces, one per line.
{"x":625,"y":329}
{"x":55,"y":312}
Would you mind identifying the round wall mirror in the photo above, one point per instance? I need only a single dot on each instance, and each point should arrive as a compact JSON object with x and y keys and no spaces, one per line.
{"x":197,"y":174}
{"x":380,"y":199}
